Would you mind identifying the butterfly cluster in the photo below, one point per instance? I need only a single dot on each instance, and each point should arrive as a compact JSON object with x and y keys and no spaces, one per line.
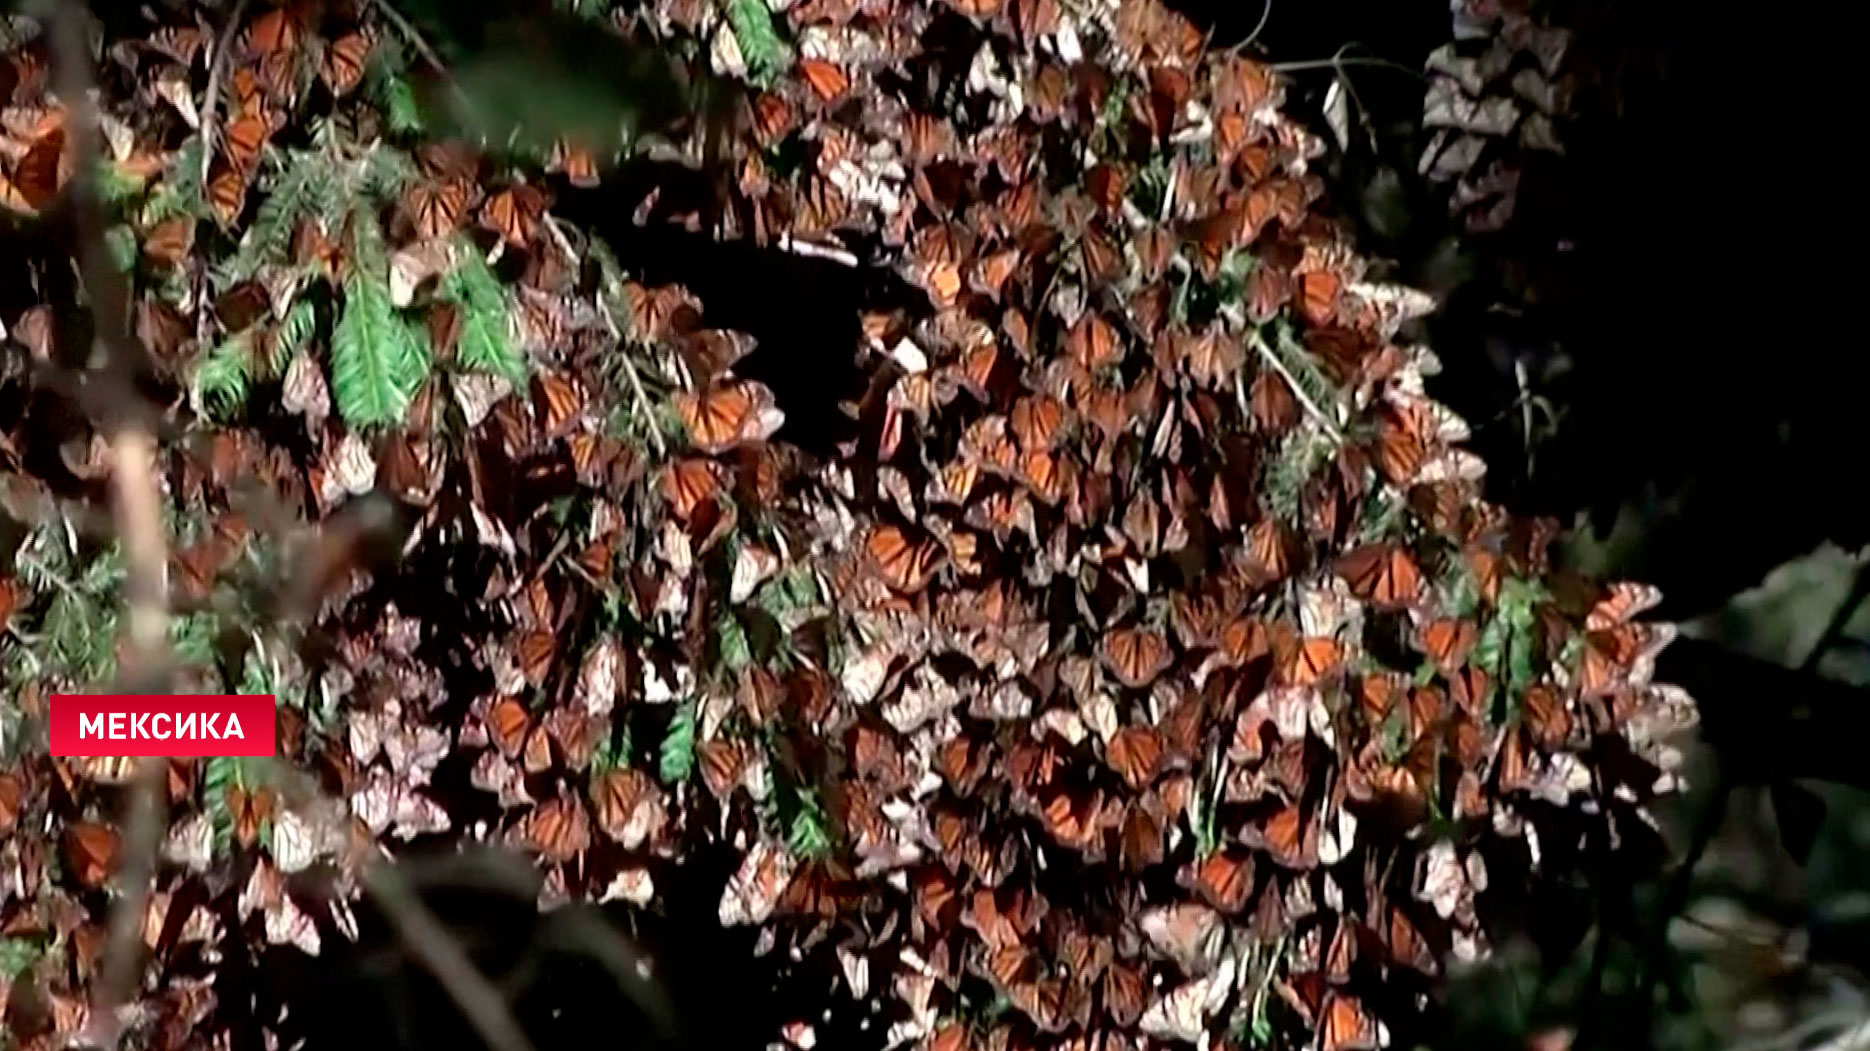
{"x":1498,"y":96}
{"x":1146,"y":670}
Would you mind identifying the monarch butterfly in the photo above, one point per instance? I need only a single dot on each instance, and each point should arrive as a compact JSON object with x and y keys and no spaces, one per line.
{"x":169,"y":241}
{"x":729,"y":415}
{"x":1124,"y":993}
{"x":559,"y":829}
{"x":576,"y":162}
{"x":1543,"y":711}
{"x":689,"y":484}
{"x":559,"y":399}
{"x":1049,"y":474}
{"x":655,"y":311}
{"x":227,"y":194}
{"x":1346,"y":1026}
{"x":1472,"y":687}
{"x":1620,"y":654}
{"x":1037,"y":421}
{"x":1135,"y":752}
{"x":1406,"y":944}
{"x":1621,"y":602}
{"x":575,"y":731}
{"x":275,"y":31}
{"x":1318,"y":294}
{"x":1136,"y":656}
{"x":754,"y":890}
{"x":437,"y":208}
{"x":536,"y":652}
{"x":985,"y":444}
{"x":1310,"y":660}
{"x":953,"y":484}
{"x":630,"y":808}
{"x":1224,"y":879}
{"x":773,"y":118}
{"x":1514,"y":769}
{"x":249,"y":810}
{"x":90,"y":852}
{"x":507,"y":722}
{"x":937,"y":255}
{"x":905,"y":566}
{"x":1384,"y":574}
{"x":343,"y":63}
{"x":35,"y":179}
{"x":1075,"y":819}
{"x":199,"y":564}
{"x":1447,"y":641}
{"x":514,"y":213}
{"x":1003,"y":513}
{"x":1092,"y":343}
{"x":826,"y":80}
{"x":536,"y":756}
{"x":990,"y":272}
{"x":179,"y":43}
{"x":1288,"y":837}
{"x":1270,"y":552}
{"x":962,"y":762}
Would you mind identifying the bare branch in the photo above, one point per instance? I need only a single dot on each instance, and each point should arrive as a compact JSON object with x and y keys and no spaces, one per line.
{"x":137,"y":502}
{"x":480,"y":1002}
{"x":477,"y":998}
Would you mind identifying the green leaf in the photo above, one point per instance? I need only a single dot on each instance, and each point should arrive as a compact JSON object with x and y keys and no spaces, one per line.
{"x":677,"y":754}
{"x":221,"y":773}
{"x":766,"y":55}
{"x":193,"y":638}
{"x":17,"y":955}
{"x":292,"y":336}
{"x":120,"y":240}
{"x":485,"y":343}
{"x":808,"y":837}
{"x":116,"y":186}
{"x":221,"y":381}
{"x":615,"y":750}
{"x":303,"y":181}
{"x":81,"y":632}
{"x":736,"y":650}
{"x":376,"y":360}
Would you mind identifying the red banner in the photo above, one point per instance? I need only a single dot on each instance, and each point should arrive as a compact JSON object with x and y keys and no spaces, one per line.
{"x":163,"y":724}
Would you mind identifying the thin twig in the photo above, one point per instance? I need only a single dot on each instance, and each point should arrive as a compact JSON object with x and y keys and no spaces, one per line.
{"x":1266,"y":12}
{"x":1311,"y":406}
{"x":117,"y":410}
{"x":412,"y":35}
{"x":442,"y":954}
{"x":137,"y":490}
{"x":1525,"y":408}
{"x":217,"y":64}
{"x":439,"y":952}
{"x":1340,"y":63}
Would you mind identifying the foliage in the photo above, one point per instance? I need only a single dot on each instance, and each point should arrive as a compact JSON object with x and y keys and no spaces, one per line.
{"x":377,"y":358}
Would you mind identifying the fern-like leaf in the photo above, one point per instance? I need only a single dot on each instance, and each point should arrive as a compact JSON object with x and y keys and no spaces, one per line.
{"x":760,"y":46}
{"x":376,"y":361}
{"x":294,"y":195}
{"x":221,"y":381}
{"x":676,"y":757}
{"x":485,"y":343}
